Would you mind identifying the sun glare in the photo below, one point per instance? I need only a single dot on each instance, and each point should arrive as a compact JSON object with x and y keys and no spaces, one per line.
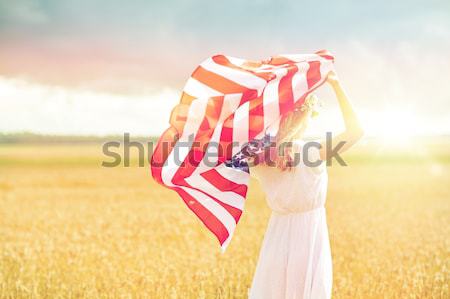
{"x":393,"y":127}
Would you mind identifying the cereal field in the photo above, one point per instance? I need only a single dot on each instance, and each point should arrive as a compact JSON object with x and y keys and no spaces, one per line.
{"x":70,"y":228}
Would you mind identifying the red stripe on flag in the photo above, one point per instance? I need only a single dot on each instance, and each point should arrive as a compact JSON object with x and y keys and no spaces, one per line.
{"x":161,"y":152}
{"x":201,"y":140}
{"x":279,"y":60}
{"x":217,"y":82}
{"x":224,"y":61}
{"x":325,"y":54}
{"x":208,"y":218}
{"x":234,"y":212}
{"x":226,"y":139}
{"x":285,"y":93}
{"x":224,"y":184}
{"x":313,"y":75}
{"x":256,"y":117}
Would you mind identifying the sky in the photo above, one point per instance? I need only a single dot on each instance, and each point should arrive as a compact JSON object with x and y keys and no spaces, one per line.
{"x":108,"y":67}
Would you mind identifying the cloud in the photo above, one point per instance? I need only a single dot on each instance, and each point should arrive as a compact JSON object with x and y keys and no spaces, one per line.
{"x":22,"y":12}
{"x":57,"y":110}
{"x":86,"y":56}
{"x":49,"y":109}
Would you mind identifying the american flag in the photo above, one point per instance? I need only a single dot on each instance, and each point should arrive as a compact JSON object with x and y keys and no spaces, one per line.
{"x":227,"y":103}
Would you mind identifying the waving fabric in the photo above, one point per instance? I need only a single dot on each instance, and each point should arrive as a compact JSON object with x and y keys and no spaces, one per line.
{"x":226,"y":103}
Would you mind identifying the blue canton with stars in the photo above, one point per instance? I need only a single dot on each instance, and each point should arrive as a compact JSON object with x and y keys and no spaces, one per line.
{"x":254,"y":147}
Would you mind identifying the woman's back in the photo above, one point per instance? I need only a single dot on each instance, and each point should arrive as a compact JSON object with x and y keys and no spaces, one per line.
{"x":295,"y":258}
{"x":300,"y":189}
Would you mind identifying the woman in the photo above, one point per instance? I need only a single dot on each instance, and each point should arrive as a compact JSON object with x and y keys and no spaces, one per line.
{"x":295,"y":259}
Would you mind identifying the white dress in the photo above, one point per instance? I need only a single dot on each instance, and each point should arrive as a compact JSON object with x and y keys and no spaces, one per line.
{"x":295,"y":258}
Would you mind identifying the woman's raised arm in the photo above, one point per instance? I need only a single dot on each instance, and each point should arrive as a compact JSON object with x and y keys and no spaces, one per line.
{"x":353,"y":130}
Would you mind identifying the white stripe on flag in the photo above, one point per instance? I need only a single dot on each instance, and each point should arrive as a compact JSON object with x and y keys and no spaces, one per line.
{"x":236,"y":61}
{"x":299,"y":81}
{"x":215,"y":208}
{"x":193,"y":122}
{"x":271,"y":101}
{"x":235,"y":175}
{"x":231,"y":198}
{"x":197,"y":89}
{"x":301,"y":57}
{"x":240,"y":127}
{"x":230,"y":103}
{"x":240,"y":77}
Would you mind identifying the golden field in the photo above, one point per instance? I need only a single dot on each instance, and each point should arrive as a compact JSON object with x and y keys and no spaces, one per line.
{"x":70,"y":228}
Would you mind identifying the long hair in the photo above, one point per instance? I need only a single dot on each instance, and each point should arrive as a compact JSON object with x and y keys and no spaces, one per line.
{"x":292,"y":127}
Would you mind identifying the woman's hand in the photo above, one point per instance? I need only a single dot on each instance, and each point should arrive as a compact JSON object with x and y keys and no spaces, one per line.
{"x":332,"y":78}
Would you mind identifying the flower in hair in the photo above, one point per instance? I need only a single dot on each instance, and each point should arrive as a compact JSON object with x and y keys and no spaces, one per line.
{"x":310,"y":104}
